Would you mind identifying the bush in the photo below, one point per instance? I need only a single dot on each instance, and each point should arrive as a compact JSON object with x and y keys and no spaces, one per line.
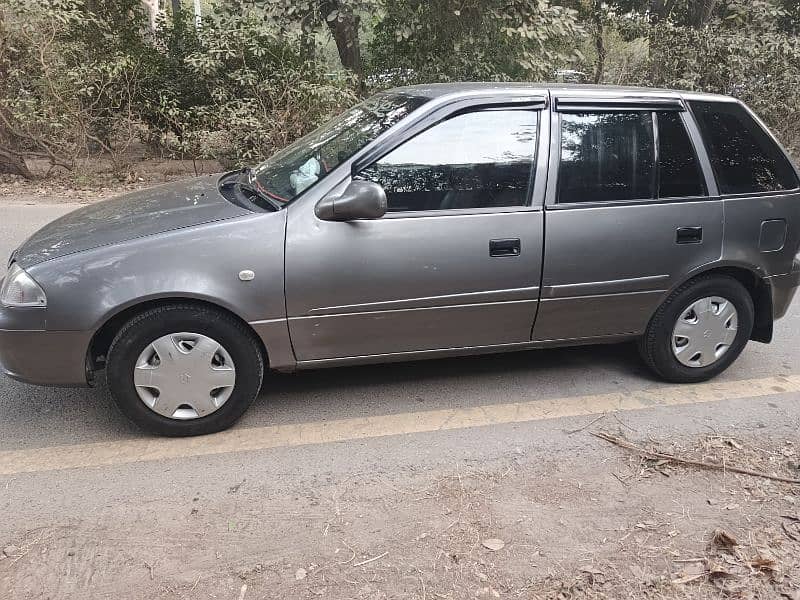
{"x":81,"y":77}
{"x":68,"y":79}
{"x":743,"y":53}
{"x":252,"y":92}
{"x":452,"y":40}
{"x":77,"y":81}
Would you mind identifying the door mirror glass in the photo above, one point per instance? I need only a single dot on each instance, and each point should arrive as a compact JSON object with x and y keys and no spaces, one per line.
{"x":360,"y":200}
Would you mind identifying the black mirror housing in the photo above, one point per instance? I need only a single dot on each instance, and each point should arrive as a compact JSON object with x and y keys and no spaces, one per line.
{"x":360,"y":200}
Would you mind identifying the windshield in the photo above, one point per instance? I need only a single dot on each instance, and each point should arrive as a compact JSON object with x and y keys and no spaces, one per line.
{"x":304,"y":163}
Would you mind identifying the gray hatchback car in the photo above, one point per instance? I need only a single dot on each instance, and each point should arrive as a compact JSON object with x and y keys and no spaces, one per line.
{"x":424,"y":222}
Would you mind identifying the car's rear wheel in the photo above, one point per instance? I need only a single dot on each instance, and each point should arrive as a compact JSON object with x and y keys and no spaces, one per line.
{"x":183,"y":370}
{"x":699,"y":330}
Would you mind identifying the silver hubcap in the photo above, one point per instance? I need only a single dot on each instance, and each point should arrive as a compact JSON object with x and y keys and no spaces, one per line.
{"x":184,"y":376}
{"x":705,"y":331}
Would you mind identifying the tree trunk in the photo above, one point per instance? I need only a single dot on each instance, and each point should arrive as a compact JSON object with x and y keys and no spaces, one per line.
{"x":176,"y":8}
{"x":344,"y":29}
{"x":599,"y":43}
{"x":661,"y":9}
{"x":198,"y":14}
{"x":701,"y":11}
{"x":12,"y":162}
{"x":152,"y":8}
{"x":308,"y":41}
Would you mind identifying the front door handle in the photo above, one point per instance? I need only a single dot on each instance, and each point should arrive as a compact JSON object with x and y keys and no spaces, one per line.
{"x":510,"y":247}
{"x":689,"y":235}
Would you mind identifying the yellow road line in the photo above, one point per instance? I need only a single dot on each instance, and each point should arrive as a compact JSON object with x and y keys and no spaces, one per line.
{"x":262,"y":438}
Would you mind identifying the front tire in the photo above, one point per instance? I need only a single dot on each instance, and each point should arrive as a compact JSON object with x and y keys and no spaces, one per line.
{"x":182,"y":370}
{"x":699,"y":330}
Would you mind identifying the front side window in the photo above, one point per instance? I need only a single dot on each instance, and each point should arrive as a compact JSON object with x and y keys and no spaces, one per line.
{"x":606,"y":157}
{"x":307,"y":161}
{"x":479,"y":159}
{"x":744,"y":158}
{"x":679,"y":173}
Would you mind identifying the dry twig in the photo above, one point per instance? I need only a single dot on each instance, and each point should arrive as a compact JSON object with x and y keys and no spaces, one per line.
{"x":369,"y":560}
{"x":623,"y":443}
{"x":589,"y":424}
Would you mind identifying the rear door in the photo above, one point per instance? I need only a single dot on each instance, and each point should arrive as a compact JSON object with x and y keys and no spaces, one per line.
{"x":456,"y":262}
{"x":629,"y":211}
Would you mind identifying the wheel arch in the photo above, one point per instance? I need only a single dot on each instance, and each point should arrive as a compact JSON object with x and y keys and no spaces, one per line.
{"x":756,"y":285}
{"x":114,"y":321}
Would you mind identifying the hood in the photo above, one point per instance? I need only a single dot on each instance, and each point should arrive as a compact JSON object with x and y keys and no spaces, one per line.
{"x":134,"y":215}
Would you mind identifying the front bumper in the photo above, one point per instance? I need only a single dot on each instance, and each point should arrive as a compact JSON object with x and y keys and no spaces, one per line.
{"x":31,"y":354}
{"x":784,"y":288}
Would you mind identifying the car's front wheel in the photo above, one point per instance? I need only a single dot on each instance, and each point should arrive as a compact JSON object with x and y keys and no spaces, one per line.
{"x":699,"y":330}
{"x":183,"y":370}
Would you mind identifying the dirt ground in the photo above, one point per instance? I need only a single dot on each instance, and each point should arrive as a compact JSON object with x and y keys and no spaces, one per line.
{"x":96,"y":180}
{"x":520,"y":527}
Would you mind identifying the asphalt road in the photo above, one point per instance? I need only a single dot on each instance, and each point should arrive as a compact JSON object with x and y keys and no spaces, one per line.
{"x":67,"y":456}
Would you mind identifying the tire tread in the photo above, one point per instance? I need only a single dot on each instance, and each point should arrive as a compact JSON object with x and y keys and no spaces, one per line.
{"x":160,"y":425}
{"x":648,"y":342}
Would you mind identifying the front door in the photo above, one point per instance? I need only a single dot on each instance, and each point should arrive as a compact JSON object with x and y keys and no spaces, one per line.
{"x":455,"y":263}
{"x":628,"y":216}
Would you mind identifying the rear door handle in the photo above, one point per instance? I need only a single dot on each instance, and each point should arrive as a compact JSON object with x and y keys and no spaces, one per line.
{"x":689,"y":235}
{"x":510,"y":247}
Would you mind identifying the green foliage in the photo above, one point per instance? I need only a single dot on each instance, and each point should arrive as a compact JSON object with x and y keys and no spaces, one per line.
{"x":85,"y":76}
{"x":450,"y":40}
{"x":240,"y":93}
{"x":744,"y":52}
{"x":68,"y":76}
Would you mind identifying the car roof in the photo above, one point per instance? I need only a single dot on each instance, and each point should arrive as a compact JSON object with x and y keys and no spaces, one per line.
{"x":455,"y":89}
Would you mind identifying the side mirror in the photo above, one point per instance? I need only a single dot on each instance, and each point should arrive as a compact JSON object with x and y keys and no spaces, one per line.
{"x":360,"y":200}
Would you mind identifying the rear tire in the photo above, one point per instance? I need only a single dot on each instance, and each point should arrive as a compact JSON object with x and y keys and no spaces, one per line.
{"x":236,"y":342}
{"x":662,"y":344}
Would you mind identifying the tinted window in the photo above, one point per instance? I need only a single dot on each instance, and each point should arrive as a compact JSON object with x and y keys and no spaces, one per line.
{"x":606,"y":157}
{"x":743,"y":156}
{"x":679,"y":173}
{"x":473,"y":160}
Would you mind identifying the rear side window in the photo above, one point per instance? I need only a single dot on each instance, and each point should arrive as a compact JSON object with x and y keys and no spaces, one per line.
{"x":679,"y":174}
{"x":606,"y":157}
{"x":744,"y":157}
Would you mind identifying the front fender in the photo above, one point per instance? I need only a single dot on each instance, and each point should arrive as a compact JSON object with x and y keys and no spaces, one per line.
{"x":86,"y":289}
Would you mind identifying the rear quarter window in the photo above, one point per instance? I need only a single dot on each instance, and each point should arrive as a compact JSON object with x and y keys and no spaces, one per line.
{"x":743,"y":156}
{"x":679,"y":171}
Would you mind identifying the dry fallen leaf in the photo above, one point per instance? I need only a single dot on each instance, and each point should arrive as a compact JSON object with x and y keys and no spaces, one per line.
{"x":716,"y":569}
{"x":723,"y":539}
{"x":763,"y":563}
{"x":300,"y":574}
{"x":494,"y":544}
{"x":692,"y":571}
{"x":687,"y":578}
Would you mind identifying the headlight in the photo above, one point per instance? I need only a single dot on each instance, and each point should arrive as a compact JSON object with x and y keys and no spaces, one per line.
{"x":19,"y":289}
